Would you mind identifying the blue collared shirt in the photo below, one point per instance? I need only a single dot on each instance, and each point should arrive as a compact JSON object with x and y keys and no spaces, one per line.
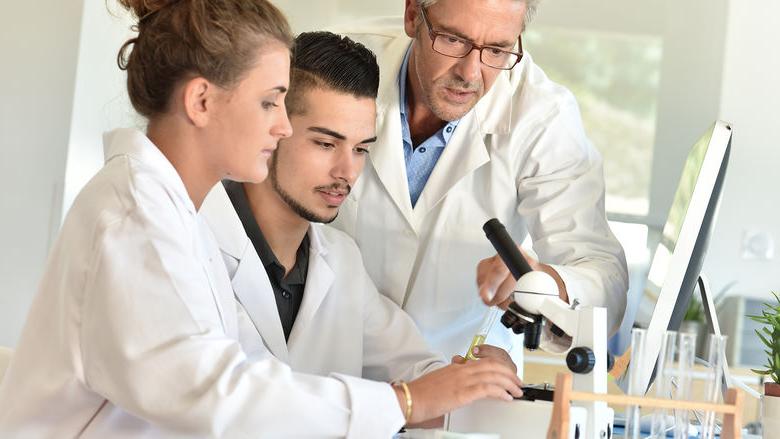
{"x":421,"y":160}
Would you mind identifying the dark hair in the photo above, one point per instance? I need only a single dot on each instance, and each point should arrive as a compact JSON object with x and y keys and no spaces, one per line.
{"x":180,"y":39}
{"x":327,"y":60}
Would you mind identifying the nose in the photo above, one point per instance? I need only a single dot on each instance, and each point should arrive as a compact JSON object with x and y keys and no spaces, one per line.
{"x":469,"y":68}
{"x":282,"y":128}
{"x":347,"y":166}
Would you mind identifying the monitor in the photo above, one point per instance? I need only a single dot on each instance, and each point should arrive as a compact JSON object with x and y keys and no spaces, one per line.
{"x":678,"y":258}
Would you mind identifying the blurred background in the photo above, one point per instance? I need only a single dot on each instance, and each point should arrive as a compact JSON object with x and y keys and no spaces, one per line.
{"x":650,"y":78}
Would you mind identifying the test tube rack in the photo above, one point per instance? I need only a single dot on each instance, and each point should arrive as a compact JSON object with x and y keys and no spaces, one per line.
{"x":564,"y":395}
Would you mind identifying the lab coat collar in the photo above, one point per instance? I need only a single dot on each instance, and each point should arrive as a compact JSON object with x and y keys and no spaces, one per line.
{"x":226,"y":225}
{"x":134,"y":143}
{"x":464,"y":154}
{"x":250,"y":281}
{"x":253,"y":290}
{"x":387,"y":157}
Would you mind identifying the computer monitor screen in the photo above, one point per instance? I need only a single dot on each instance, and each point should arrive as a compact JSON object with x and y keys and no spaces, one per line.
{"x":679,"y":256}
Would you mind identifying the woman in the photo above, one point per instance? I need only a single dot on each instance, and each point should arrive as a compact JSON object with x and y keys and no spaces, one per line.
{"x":134,"y":331}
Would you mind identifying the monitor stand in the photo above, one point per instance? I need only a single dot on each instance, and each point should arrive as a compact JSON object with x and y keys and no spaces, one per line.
{"x":708,"y":303}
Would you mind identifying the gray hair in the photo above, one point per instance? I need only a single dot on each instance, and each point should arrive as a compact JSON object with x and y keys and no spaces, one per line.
{"x":530,"y":13}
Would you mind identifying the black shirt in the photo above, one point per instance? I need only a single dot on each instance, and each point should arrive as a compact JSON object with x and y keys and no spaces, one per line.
{"x":288,"y":291}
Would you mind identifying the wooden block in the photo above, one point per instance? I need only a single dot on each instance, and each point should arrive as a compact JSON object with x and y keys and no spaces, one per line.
{"x":559,"y":423}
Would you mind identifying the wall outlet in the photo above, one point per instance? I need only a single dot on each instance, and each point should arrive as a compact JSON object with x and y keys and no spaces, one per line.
{"x":758,"y":245}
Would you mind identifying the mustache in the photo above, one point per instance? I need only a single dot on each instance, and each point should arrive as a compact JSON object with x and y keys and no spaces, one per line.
{"x":460,"y":84}
{"x":336,"y":187}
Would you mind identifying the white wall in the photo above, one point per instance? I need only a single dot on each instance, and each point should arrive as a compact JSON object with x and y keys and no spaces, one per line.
{"x":751,"y":102}
{"x":38,"y":47}
{"x":321,"y":14}
{"x":100,"y":100}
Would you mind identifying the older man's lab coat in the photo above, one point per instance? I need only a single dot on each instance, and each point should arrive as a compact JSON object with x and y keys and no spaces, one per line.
{"x":134,"y":331}
{"x":344,"y":324}
{"x":521,"y":156}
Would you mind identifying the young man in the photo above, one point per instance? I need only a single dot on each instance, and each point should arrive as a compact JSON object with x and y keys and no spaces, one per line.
{"x":303,"y":292}
{"x":471,"y":129}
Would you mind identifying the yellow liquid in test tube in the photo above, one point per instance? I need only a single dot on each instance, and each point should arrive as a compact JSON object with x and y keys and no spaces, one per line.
{"x":478,"y":340}
{"x":490,"y":317}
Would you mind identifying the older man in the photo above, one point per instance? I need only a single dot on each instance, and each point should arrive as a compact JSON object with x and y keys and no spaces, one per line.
{"x":469,"y":128}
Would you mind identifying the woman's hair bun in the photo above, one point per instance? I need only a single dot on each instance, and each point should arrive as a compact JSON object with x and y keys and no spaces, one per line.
{"x":177,"y":39}
{"x":143,"y":8}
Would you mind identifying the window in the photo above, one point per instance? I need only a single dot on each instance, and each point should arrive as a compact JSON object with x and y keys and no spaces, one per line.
{"x":615,"y":78}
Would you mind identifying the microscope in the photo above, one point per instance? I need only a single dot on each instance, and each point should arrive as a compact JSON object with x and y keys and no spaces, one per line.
{"x":549,"y":323}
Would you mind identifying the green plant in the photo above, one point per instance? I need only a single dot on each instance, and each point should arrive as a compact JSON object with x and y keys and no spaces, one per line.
{"x":770,"y":336}
{"x":695,"y":311}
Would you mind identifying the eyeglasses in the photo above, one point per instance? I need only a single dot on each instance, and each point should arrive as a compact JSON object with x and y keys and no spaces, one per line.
{"x":456,"y":47}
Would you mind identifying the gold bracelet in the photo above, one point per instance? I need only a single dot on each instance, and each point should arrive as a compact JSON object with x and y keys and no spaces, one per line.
{"x":408,"y":396}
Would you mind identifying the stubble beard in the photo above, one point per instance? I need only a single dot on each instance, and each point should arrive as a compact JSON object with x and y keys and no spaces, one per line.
{"x":291,"y":202}
{"x":439,"y":106}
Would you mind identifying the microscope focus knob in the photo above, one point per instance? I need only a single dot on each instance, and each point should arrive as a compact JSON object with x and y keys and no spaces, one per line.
{"x":581,"y":360}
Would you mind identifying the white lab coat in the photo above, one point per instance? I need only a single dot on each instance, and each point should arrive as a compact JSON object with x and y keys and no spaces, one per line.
{"x":134,"y":330}
{"x":521,"y":156}
{"x":344,"y":325}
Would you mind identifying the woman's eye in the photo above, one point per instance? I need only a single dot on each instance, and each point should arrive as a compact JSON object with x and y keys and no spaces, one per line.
{"x":269,"y":105}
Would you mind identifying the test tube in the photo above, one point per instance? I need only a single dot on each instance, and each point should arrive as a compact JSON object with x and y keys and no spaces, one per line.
{"x":686,"y":355}
{"x":663,"y":383}
{"x":487,"y":322}
{"x":633,"y":414}
{"x":712,"y":393}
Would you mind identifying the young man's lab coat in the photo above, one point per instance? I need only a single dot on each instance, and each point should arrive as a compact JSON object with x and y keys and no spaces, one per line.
{"x":134,"y":331}
{"x":521,"y":156}
{"x":344,"y":325}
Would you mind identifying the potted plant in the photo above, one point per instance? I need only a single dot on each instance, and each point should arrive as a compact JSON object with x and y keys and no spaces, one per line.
{"x":693,"y":323}
{"x":770,"y":337}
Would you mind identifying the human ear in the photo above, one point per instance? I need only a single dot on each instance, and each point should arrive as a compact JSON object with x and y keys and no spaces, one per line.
{"x":198,"y":101}
{"x":410,"y":18}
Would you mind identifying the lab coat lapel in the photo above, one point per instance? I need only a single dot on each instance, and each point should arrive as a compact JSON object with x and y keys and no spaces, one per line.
{"x":253,"y":289}
{"x":319,"y":280}
{"x":465,"y":152}
{"x":387,"y":156}
{"x":249,"y":280}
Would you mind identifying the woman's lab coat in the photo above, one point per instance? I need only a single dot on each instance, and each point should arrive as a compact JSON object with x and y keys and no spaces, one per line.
{"x":344,"y":325}
{"x":134,"y":331}
{"x":521,"y":156}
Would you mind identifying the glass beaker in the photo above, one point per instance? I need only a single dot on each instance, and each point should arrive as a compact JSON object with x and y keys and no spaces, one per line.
{"x":685,"y":357}
{"x":635,"y":380}
{"x":716,"y":354}
{"x":665,"y":371}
